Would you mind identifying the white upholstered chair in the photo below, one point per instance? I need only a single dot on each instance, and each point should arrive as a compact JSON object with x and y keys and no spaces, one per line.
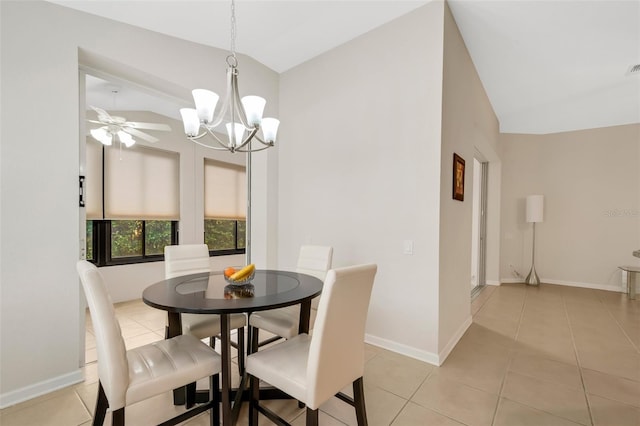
{"x":314,"y":368}
{"x":192,"y":259}
{"x":127,"y":377}
{"x":283,"y":322}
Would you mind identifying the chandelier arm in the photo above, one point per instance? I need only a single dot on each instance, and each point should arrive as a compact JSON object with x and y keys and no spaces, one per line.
{"x":248,"y":138}
{"x":193,"y":138}
{"x":254,"y":150}
{"x":217,"y":148}
{"x":217,"y":139}
{"x":242,"y":115}
{"x":225,"y":104}
{"x":262,"y":141}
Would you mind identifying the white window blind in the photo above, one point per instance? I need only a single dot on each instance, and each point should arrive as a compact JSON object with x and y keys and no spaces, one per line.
{"x":225,"y":191}
{"x":141,"y":183}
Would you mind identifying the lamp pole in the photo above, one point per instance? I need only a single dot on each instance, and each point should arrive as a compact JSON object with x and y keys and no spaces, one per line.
{"x":532,"y":278}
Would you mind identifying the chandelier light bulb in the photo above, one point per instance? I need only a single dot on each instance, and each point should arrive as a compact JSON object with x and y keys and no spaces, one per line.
{"x":190,"y":121}
{"x":205,"y":101}
{"x":238,"y":132}
{"x":270,"y":129}
{"x":253,"y":107}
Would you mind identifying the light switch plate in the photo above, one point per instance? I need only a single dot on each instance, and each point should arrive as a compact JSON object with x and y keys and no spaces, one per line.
{"x":408,"y":247}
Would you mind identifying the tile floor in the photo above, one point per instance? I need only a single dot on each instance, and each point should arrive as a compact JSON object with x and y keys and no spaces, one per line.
{"x":541,"y":356}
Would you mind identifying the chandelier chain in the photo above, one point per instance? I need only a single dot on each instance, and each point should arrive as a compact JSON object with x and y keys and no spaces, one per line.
{"x":233,"y":28}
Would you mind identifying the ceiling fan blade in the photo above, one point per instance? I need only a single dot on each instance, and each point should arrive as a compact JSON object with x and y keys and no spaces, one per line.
{"x":95,"y":121}
{"x":141,"y":135}
{"x":102,"y":114}
{"x":149,"y":126}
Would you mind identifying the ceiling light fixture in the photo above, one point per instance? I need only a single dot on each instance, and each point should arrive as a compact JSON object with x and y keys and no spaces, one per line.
{"x":245,"y":114}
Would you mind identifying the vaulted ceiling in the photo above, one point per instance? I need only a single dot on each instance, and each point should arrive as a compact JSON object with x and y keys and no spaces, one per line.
{"x":547,"y":66}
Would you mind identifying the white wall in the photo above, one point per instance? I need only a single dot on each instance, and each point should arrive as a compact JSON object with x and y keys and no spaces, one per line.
{"x":39,"y":167}
{"x":468,"y":125}
{"x":359,"y":168}
{"x":591,"y":183}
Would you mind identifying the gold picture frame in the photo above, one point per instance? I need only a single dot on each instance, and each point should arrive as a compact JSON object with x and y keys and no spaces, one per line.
{"x":458,"y":177}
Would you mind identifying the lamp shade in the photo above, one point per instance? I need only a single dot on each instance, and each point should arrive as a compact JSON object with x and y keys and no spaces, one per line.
{"x":535,"y":208}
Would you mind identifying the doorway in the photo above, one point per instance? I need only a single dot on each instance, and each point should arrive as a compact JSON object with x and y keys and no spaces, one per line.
{"x":479,"y":224}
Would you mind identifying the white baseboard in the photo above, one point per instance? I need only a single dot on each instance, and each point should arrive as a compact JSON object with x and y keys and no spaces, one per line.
{"x":585,"y":285}
{"x":511,"y":280}
{"x":428,"y":357}
{"x":492,"y":282}
{"x":37,"y":389}
{"x":444,"y":353}
{"x":606,"y":287}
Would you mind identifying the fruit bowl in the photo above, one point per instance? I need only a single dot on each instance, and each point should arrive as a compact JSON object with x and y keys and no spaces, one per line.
{"x":241,"y":277}
{"x":241,"y":281}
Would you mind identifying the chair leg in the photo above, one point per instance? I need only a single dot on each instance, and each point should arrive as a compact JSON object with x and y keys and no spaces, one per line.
{"x":241,"y":351}
{"x":312,"y":417}
{"x":214,"y":395}
{"x":190,"y":396}
{"x":118,"y":417}
{"x":358,"y":399}
{"x":101,"y":406}
{"x":254,"y":400}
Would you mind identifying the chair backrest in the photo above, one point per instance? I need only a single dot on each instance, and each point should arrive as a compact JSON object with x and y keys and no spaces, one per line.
{"x":113,"y":368}
{"x":336,"y":354}
{"x":315,"y":260}
{"x":186,"y":259}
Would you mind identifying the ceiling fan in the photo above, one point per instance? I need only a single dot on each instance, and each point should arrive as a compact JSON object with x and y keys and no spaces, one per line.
{"x":118,"y":128}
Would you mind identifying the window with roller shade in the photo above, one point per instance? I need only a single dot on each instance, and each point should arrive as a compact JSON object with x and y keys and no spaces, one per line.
{"x":225,"y":207}
{"x":132,"y":203}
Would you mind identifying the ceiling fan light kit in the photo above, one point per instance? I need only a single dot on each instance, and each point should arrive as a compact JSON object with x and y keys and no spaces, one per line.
{"x":118,"y":128}
{"x":245,"y":114}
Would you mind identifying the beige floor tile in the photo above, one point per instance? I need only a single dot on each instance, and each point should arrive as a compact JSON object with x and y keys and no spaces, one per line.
{"x":612,"y":387}
{"x":546,"y":369}
{"x":547,"y":396}
{"x":617,"y":362}
{"x":323,"y":418}
{"x":547,"y":343}
{"x":415,"y":415}
{"x":611,"y":413}
{"x":382,"y":407}
{"x":479,"y":366}
{"x":396,"y":375}
{"x":63,"y":410}
{"x":456,"y":400}
{"x":510,"y":413}
{"x":481,"y":333}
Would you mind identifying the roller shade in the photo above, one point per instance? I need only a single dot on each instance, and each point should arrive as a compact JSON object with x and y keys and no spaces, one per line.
{"x":141,"y":183}
{"x":225,"y":191}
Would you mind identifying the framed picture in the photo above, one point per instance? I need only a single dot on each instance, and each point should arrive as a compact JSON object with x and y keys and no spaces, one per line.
{"x":458,"y":177}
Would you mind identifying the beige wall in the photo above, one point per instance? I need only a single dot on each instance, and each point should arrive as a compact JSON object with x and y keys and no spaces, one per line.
{"x":360,"y":166}
{"x":468,"y":125}
{"x":591,"y":183}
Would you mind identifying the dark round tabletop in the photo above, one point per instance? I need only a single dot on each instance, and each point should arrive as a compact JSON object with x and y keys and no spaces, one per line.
{"x":206,"y":293}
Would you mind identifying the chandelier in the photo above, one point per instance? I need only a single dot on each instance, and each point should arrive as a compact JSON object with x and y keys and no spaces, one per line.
{"x":245,"y":114}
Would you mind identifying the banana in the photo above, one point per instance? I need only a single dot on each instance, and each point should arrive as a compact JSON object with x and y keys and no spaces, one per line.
{"x":243,"y":273}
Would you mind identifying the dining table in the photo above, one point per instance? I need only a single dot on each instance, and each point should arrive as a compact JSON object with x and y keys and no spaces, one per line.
{"x":211,"y":293}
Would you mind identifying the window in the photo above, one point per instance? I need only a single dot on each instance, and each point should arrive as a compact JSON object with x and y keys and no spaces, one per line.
{"x":116,"y":242}
{"x":132,"y":203}
{"x":225,"y":206}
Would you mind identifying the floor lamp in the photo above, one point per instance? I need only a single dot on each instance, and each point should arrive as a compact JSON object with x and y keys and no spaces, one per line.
{"x":535,"y":213}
